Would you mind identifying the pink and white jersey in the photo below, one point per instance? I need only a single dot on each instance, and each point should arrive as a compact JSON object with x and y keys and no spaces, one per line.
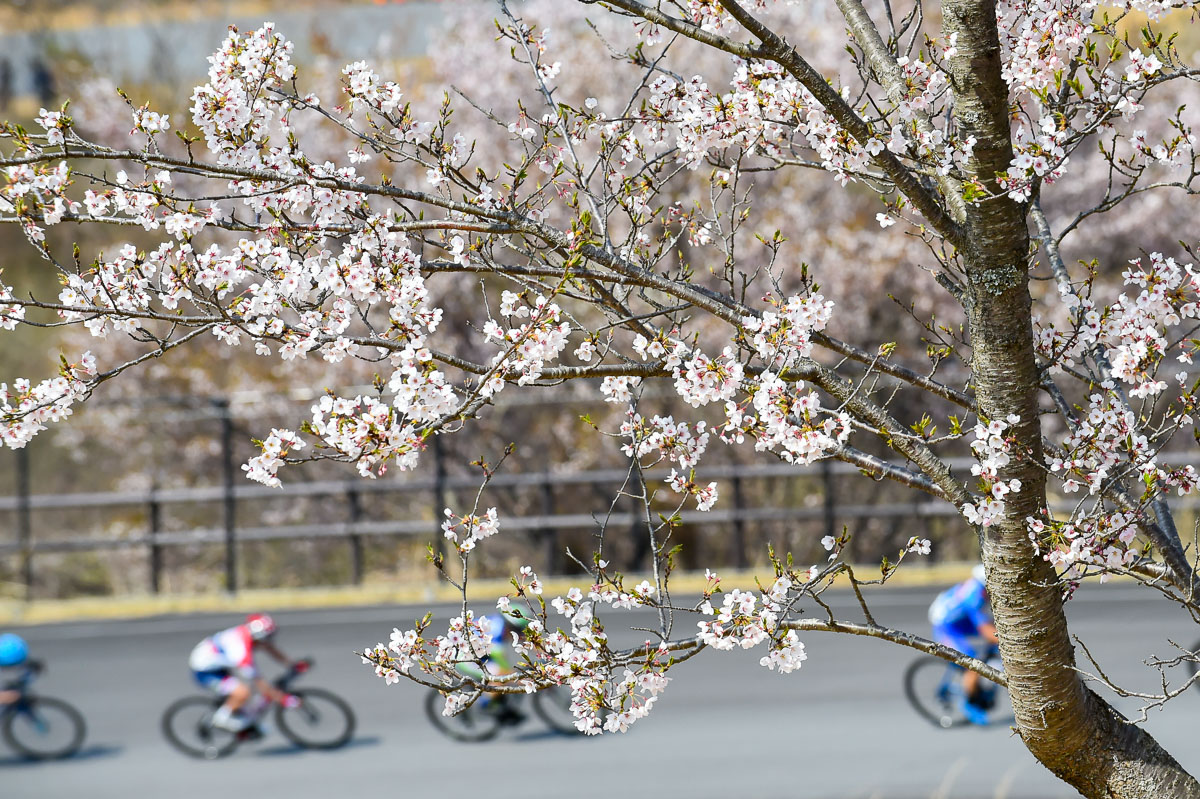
{"x":231,"y":649}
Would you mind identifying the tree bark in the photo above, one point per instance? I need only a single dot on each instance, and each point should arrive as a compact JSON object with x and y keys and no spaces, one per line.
{"x":1069,"y":729}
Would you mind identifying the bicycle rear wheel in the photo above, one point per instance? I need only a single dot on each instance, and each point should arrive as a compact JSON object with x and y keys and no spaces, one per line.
{"x":472,"y":724}
{"x":187,"y":725}
{"x":933,"y":690}
{"x":553,"y":706}
{"x":322,"y":720}
{"x":41,"y":728}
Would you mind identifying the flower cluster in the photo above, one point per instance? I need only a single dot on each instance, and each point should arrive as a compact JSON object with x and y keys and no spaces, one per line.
{"x":275,"y":448}
{"x":786,"y":421}
{"x":678,"y":442}
{"x":527,"y":347}
{"x":705,"y":495}
{"x":150,"y":122}
{"x":701,"y":379}
{"x":234,"y":110}
{"x":743,"y":622}
{"x":367,"y":432}
{"x":784,"y":336}
{"x":992,"y":453}
{"x":466,"y":531}
{"x":26,"y":408}
{"x":1104,"y":540}
{"x":1135,"y":331}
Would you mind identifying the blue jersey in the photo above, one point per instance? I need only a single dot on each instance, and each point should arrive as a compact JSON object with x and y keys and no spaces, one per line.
{"x":961,"y":610}
{"x":498,"y":625}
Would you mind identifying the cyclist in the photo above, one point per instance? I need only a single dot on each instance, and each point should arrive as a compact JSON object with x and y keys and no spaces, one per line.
{"x":224,"y":664}
{"x":501,"y":626}
{"x":13,"y":652}
{"x":959,"y":615}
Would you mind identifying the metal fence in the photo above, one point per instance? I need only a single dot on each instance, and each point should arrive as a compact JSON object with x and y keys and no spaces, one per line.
{"x":735,"y":511}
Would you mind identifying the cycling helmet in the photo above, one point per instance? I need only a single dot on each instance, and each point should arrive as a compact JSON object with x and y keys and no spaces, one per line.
{"x":513,"y":619}
{"x":979,"y":574}
{"x":13,"y":650}
{"x":261,"y":626}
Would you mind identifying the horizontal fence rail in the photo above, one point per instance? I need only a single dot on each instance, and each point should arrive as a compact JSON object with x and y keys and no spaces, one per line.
{"x":733,"y":510}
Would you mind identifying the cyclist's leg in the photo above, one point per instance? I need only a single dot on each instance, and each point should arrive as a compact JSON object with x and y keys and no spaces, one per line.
{"x":497,"y":665}
{"x":948,"y":636}
{"x":969,"y":681}
{"x":222,"y":682}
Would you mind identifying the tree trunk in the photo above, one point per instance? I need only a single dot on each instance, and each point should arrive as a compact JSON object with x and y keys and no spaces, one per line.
{"x":1069,"y":729}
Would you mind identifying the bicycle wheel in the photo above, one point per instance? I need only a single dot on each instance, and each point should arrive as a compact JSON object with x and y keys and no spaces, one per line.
{"x":322,"y":720}
{"x":41,"y":728}
{"x":472,"y":724}
{"x":187,"y":725}
{"x":553,"y":706}
{"x":933,"y":691}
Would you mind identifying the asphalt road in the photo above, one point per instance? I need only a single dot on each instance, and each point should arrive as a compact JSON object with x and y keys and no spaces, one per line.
{"x":839,"y":727}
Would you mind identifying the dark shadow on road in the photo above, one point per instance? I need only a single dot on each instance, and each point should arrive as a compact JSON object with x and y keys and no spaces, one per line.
{"x":87,"y":753}
{"x":288,"y":750}
{"x":545,"y":735}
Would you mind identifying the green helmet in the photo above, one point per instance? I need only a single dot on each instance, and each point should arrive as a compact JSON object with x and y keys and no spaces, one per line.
{"x":514,"y":619}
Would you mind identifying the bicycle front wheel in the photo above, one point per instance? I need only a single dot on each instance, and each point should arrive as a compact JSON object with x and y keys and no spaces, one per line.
{"x":40,"y":728}
{"x":553,"y":706}
{"x":187,"y":725}
{"x":471,"y":724}
{"x":322,"y":720}
{"x":933,"y":689}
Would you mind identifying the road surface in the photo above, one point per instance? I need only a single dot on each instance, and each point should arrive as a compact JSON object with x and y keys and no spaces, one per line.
{"x":840,"y":727}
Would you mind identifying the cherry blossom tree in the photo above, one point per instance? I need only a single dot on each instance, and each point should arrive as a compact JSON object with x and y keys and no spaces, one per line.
{"x":613,"y":240}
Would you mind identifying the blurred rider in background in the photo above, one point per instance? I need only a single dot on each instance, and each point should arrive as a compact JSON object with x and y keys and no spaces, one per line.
{"x":497,"y":661}
{"x":224,"y":664}
{"x":960,"y":615}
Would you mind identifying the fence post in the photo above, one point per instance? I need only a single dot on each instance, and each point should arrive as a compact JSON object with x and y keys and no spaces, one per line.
{"x":439,"y":495}
{"x":24,"y":520}
{"x":549,"y":534}
{"x":356,"y":545}
{"x":155,"y":548}
{"x":230,"y":509}
{"x":739,"y":523}
{"x":830,"y":499}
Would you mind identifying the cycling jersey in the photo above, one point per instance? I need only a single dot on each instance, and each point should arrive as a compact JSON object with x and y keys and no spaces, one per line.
{"x":497,"y":627}
{"x":496,"y":661}
{"x":957,"y":615}
{"x":228,"y":651}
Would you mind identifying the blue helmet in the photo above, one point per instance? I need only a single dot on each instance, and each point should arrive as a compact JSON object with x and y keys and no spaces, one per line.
{"x":13,"y":650}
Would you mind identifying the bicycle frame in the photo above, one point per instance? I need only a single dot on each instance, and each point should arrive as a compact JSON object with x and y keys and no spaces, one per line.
{"x":28,"y":674}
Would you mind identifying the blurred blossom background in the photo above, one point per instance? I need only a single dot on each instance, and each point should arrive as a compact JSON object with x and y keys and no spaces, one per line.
{"x":188,"y":422}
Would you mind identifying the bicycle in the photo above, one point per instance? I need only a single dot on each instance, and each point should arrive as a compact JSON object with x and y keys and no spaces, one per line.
{"x":318,"y":719}
{"x":39,"y":727}
{"x":482,"y":720}
{"x":934,"y":689}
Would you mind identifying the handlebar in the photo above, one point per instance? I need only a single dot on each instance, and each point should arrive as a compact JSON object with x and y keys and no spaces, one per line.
{"x":295,"y":670}
{"x":29,"y":670}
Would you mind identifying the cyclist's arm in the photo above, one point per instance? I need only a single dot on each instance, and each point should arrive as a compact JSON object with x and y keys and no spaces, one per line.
{"x":275,"y":652}
{"x":8,"y":697}
{"x":988,"y":631}
{"x":269,"y":691}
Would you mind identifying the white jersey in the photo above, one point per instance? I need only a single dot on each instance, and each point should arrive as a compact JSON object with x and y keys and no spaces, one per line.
{"x":231,"y":650}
